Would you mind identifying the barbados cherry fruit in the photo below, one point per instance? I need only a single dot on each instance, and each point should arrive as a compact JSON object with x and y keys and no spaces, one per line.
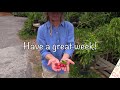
{"x":63,"y":63}
{"x":60,"y":65}
{"x":57,"y":65}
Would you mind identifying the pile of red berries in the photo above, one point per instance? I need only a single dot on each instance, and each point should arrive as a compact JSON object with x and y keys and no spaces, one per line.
{"x":60,"y":65}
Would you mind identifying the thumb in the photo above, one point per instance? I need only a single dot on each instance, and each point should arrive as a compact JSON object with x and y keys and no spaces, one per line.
{"x":49,"y":62}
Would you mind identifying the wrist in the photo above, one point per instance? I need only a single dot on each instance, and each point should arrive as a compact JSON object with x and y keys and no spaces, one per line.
{"x":65,"y":56}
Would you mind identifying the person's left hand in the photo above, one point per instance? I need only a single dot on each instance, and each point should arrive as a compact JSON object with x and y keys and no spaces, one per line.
{"x":53,"y":63}
{"x":68,"y":62}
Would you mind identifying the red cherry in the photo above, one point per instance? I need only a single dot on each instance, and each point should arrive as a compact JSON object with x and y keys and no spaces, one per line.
{"x":64,"y":65}
{"x":58,"y":67}
{"x":61,"y":65}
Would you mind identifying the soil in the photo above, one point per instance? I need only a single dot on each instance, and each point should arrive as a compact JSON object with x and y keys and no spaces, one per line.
{"x":5,"y":14}
{"x":34,"y":59}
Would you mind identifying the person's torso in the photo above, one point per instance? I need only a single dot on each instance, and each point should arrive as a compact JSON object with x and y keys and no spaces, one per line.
{"x":56,"y":40}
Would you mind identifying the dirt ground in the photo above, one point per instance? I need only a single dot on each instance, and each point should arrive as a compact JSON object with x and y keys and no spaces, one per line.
{"x":5,"y":14}
{"x":34,"y":59}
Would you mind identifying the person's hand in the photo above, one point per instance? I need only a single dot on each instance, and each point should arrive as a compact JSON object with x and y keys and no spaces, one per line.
{"x":53,"y":63}
{"x":67,"y":62}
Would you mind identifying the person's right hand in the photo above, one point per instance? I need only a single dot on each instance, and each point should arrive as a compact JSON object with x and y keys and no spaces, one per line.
{"x":53,"y":62}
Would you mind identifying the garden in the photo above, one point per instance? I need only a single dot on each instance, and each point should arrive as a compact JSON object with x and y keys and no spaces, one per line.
{"x":101,"y":30}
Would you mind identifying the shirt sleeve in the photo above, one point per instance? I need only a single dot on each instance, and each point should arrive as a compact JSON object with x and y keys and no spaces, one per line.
{"x":41,"y":41}
{"x":70,"y":40}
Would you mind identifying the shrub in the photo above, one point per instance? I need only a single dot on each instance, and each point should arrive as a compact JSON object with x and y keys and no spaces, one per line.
{"x":21,"y":14}
{"x":27,"y":30}
{"x":109,"y":35}
{"x":93,"y":19}
{"x":85,"y":38}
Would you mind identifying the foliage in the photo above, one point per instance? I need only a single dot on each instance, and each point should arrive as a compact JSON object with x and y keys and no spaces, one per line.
{"x":75,"y":72}
{"x":27,"y":30}
{"x":88,"y":46}
{"x":109,"y":35}
{"x":107,"y":38}
{"x":93,"y":19}
{"x":21,"y":14}
{"x":115,"y":14}
{"x":72,"y":16}
{"x":114,"y":30}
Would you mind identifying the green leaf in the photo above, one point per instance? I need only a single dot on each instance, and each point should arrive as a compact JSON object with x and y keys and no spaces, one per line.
{"x":64,"y":62}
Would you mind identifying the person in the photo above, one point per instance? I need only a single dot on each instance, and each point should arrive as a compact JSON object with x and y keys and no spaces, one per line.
{"x":56,"y":36}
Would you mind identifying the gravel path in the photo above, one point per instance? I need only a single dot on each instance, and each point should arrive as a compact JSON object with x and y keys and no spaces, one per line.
{"x":13,"y":58}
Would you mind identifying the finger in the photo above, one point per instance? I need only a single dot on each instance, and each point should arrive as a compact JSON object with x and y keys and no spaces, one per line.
{"x":57,"y":61}
{"x":53,"y":67}
{"x":70,"y":61}
{"x":58,"y":70}
{"x":62,"y":68}
{"x":49,"y":62}
{"x":65,"y":69}
{"x":68,"y":68}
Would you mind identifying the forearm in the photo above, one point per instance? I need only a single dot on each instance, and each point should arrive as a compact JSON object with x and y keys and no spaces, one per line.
{"x":66,"y":56}
{"x":49,"y":56}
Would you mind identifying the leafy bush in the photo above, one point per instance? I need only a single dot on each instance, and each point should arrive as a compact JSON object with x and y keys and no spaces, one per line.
{"x":93,"y":19}
{"x":75,"y":72}
{"x":109,"y":35}
{"x":27,"y":31}
{"x":107,"y":38}
{"x":88,"y":45}
{"x":73,"y":17}
{"x":21,"y":14}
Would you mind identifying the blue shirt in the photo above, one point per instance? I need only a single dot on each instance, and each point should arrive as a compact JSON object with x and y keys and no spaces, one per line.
{"x":56,"y":41}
